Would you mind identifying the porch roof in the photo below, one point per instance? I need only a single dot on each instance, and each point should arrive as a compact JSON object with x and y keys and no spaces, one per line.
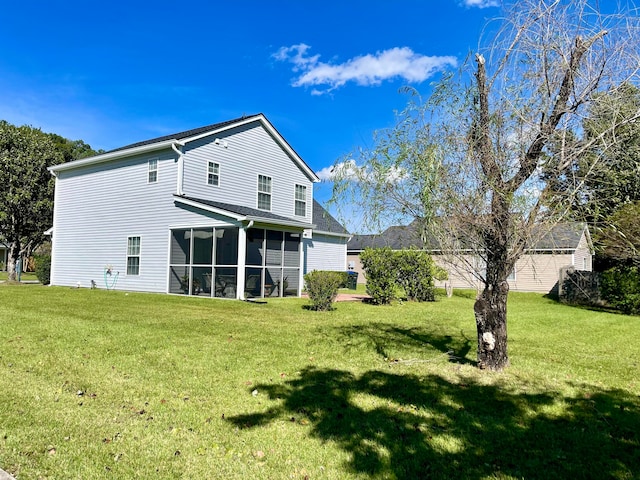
{"x":242,"y":213}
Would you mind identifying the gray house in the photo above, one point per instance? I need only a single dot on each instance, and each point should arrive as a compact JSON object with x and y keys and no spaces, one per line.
{"x":538,"y":270}
{"x":4,"y":256}
{"x":225,"y":210}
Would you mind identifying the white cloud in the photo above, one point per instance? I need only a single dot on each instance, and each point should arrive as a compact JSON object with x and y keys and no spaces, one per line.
{"x":481,"y":3}
{"x":347,"y":169}
{"x":351,"y":171}
{"x":370,"y":69}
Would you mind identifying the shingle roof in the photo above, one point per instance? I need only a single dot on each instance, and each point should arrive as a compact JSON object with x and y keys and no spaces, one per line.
{"x":325,"y":222}
{"x":241,"y":210}
{"x":186,"y":134}
{"x":563,"y":236}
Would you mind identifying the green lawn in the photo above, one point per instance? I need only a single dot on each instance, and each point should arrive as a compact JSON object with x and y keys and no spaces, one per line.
{"x":31,"y":277}
{"x":104,"y":384}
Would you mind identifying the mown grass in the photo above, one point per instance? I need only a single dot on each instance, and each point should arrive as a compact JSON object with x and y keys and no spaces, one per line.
{"x":27,"y":276}
{"x":105,"y":384}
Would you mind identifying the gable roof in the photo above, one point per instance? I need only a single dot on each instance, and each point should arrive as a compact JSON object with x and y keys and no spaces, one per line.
{"x":182,"y":138}
{"x":563,"y":236}
{"x":325,"y":222}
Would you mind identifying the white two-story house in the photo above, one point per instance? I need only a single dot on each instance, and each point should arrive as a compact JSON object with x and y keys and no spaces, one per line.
{"x":225,"y":210}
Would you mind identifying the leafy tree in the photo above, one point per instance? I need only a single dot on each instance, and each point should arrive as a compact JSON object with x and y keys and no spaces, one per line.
{"x":73,"y":149}
{"x":481,"y":162}
{"x":619,"y":241}
{"x":26,"y":197}
{"x":611,"y":170}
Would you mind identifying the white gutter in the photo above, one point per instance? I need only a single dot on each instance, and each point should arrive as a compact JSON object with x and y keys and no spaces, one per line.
{"x":106,"y":157}
{"x":334,"y":234}
{"x":180,"y":182}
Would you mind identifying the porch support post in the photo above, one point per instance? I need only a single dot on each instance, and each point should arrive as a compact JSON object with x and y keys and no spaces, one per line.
{"x":300,"y":264}
{"x":242,"y":255}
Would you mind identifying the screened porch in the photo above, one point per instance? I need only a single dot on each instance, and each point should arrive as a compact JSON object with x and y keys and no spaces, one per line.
{"x":228,"y":262}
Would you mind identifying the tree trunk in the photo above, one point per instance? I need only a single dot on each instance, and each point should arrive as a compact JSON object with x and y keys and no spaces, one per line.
{"x":14,"y":254}
{"x":491,"y":323}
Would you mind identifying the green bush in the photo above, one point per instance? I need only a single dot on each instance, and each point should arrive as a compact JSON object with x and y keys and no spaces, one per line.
{"x":322,"y":287}
{"x":415,"y":272}
{"x":620,"y":288}
{"x":43,"y":268}
{"x":379,"y":266}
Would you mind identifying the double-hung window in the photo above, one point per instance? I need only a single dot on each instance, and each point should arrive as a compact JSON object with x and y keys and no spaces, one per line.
{"x":153,"y":171}
{"x":133,"y":256}
{"x":213,"y":173}
{"x":301,"y":200}
{"x":264,"y":192}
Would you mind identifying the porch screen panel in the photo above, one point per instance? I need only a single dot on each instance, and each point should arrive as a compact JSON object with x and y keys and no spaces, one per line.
{"x":291,"y":249}
{"x":272,"y":282}
{"x":201,"y":281}
{"x":226,"y":246}
{"x":255,"y":240}
{"x":253,"y":282}
{"x":179,"y":280}
{"x":274,"y":248}
{"x":202,"y":246}
{"x":290,"y":283}
{"x":180,"y":247}
{"x":225,"y":282}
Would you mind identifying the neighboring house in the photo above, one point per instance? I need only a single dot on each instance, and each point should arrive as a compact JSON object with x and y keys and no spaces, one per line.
{"x":225,"y":210}
{"x":4,"y":256}
{"x":538,"y":270}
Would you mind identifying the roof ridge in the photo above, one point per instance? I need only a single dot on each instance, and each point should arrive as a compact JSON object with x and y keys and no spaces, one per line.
{"x":185,"y":134}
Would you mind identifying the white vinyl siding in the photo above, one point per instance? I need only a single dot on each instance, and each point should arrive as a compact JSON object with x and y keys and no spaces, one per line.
{"x":251,"y":151}
{"x":93,"y":213}
{"x":152,"y":175}
{"x":325,"y":252}
{"x":133,"y":256}
{"x":264,"y":192}
{"x":300,"y":201}
{"x":213,"y":173}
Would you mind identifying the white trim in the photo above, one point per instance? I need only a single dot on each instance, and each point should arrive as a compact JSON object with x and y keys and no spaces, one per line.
{"x":274,"y":133}
{"x":242,"y":218}
{"x":139,"y":256}
{"x":156,"y":170}
{"x":296,"y":200}
{"x":106,"y":157}
{"x":209,"y":162}
{"x":334,"y":234}
{"x":270,"y":193}
{"x":209,"y":208}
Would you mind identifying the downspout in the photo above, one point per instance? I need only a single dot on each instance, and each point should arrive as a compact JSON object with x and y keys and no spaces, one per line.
{"x":179,"y":190}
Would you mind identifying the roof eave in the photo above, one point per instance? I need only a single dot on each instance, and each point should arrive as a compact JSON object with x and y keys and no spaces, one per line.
{"x":107,"y":157}
{"x":283,"y":223}
{"x":209,"y":208}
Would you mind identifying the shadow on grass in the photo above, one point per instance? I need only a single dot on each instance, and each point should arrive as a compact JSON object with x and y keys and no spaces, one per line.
{"x":430,"y":427}
{"x":385,"y":336}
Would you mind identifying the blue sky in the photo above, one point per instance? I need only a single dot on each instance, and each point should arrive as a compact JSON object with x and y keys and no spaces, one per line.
{"x":326,"y":74}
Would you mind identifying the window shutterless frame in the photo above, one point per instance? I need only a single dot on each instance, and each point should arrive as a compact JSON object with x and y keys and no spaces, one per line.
{"x":213,"y":173}
{"x":264,"y":192}
{"x":152,"y":171}
{"x":300,"y":201}
{"x":133,"y":255}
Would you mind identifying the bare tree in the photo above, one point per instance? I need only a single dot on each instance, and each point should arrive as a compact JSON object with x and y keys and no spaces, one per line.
{"x":487,"y":162}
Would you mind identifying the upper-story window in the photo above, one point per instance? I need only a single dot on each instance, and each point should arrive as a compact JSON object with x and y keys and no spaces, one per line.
{"x":301,"y":200}
{"x":153,"y":171}
{"x":213,"y":173}
{"x":264,"y":192}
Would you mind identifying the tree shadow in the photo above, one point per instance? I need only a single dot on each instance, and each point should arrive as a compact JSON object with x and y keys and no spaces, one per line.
{"x":384,"y":336}
{"x":431,"y":427}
